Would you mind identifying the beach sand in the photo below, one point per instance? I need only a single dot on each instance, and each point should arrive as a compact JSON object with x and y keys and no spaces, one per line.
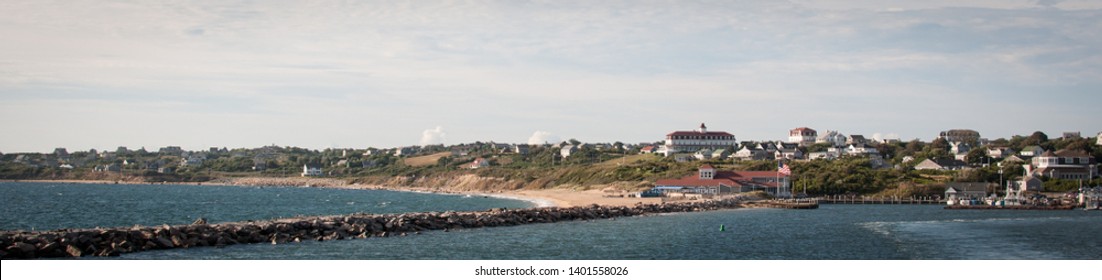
{"x":541,"y":198}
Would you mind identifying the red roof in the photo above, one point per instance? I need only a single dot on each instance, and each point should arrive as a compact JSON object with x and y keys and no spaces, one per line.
{"x":707,"y":166}
{"x":698,"y":133}
{"x":728,"y":178}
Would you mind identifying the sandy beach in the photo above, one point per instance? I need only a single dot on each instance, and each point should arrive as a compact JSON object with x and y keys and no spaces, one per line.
{"x":541,"y":198}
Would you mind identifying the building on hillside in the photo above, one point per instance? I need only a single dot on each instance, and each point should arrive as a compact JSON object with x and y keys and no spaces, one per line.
{"x":567,"y":150}
{"x":649,"y":149}
{"x":959,"y":149}
{"x":1031,"y":151}
{"x":478,"y":163}
{"x":803,"y":136}
{"x":709,"y":181}
{"x":1064,"y":164}
{"x":520,"y":149}
{"x":834,"y":138}
{"x":857,"y":139}
{"x":310,"y":171}
{"x":1098,"y":139}
{"x":1000,"y":152}
{"x":966,"y":193}
{"x":751,"y":153}
{"x":940,"y":164}
{"x":692,"y":141}
{"x":1072,"y":135}
{"x":960,"y":135}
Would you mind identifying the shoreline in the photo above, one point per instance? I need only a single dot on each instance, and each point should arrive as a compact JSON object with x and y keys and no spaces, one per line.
{"x":542,"y":198}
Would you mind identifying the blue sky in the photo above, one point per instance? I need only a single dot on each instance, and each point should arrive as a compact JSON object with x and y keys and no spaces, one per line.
{"x":356,"y":74}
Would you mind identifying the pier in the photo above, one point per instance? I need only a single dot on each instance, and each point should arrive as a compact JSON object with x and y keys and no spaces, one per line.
{"x":879,"y":200}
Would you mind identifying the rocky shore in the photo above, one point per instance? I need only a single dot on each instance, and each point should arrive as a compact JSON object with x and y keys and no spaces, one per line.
{"x":115,"y":241}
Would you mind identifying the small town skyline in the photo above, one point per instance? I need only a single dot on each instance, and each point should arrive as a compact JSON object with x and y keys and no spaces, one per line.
{"x":540,"y":138}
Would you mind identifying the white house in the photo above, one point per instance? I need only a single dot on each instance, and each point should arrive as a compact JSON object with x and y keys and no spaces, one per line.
{"x":565,"y":151}
{"x":1031,"y":151}
{"x":959,"y":149}
{"x":750,"y":153}
{"x":692,"y":141}
{"x":802,"y":135}
{"x":833,"y":137}
{"x":999,"y":152}
{"x":860,"y":149}
{"x":1098,"y":139}
{"x":310,"y":171}
{"x":1065,"y":164}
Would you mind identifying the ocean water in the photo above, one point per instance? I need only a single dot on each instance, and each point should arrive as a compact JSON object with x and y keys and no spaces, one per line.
{"x":841,"y":232}
{"x":44,"y":206}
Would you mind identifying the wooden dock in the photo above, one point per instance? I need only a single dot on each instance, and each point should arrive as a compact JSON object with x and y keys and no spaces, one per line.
{"x":786,"y":204}
{"x":878,"y":200}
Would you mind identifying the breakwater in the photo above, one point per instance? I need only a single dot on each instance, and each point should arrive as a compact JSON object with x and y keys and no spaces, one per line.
{"x":115,"y":241}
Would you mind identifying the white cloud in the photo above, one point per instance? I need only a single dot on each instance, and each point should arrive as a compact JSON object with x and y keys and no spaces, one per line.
{"x":542,"y":137}
{"x":433,"y":136}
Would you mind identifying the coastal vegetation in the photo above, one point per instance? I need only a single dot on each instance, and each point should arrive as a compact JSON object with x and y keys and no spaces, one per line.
{"x":615,"y":165}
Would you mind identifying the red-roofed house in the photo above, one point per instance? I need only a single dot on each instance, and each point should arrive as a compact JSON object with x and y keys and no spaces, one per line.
{"x":803,"y":135}
{"x":691,"y":141}
{"x":709,"y":181}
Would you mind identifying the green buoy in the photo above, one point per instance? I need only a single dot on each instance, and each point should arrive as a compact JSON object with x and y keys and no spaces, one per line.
{"x":722,"y":228}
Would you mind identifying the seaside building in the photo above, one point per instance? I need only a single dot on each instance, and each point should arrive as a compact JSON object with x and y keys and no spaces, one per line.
{"x":310,"y":171}
{"x":709,"y":181}
{"x":479,"y":163}
{"x":803,"y":136}
{"x":1098,"y":139}
{"x":966,"y":193}
{"x":834,"y":138}
{"x":692,"y":141}
{"x":1064,"y":164}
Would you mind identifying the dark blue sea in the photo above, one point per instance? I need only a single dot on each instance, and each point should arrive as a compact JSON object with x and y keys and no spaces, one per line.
{"x":838,"y":232}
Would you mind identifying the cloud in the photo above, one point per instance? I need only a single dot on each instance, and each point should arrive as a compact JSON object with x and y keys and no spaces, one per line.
{"x":433,"y":136}
{"x":542,"y":137}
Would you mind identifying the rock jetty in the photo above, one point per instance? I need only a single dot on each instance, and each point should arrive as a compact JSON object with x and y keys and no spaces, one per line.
{"x":114,"y":241}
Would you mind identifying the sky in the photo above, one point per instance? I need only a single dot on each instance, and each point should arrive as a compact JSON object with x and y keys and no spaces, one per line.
{"x":357,"y":74}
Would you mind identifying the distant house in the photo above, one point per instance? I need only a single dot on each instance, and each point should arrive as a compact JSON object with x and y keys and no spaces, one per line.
{"x":999,"y":152}
{"x":1065,"y":164}
{"x":751,"y":153}
{"x":61,"y":153}
{"x":567,"y":150}
{"x":959,"y":149}
{"x":966,"y":193}
{"x":860,"y":150}
{"x":649,"y":149}
{"x":405,"y":151}
{"x":703,"y":154}
{"x":1098,"y":139}
{"x":721,"y":154}
{"x":478,"y":163}
{"x":803,"y":136}
{"x":520,"y":149}
{"x":857,"y":139}
{"x":165,"y":170}
{"x":1027,"y":184}
{"x":940,"y":164}
{"x":788,"y":153}
{"x":1031,"y":151}
{"x":828,"y":155}
{"x":310,"y":171}
{"x":833,"y":138}
{"x":1072,"y":135}
{"x":692,"y":141}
